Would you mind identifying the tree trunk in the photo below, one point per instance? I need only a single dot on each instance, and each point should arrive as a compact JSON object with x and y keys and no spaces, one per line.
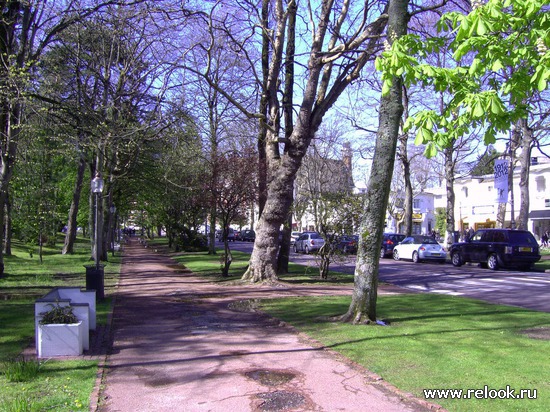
{"x":408,"y":210}
{"x":449,"y":183}
{"x":7,"y":240}
{"x":525,"y":164}
{"x":212,"y":232}
{"x":227,"y":257}
{"x":263,"y":261}
{"x":72,"y":224}
{"x":284,"y":250}
{"x":365,"y":291}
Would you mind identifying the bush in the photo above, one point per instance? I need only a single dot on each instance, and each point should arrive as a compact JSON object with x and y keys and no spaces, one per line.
{"x":58,"y":315}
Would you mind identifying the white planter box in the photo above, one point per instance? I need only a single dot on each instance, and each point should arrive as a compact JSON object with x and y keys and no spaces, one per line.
{"x":59,"y":340}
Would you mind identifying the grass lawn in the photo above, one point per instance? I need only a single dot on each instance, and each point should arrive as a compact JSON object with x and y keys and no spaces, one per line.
{"x":437,"y":342}
{"x":58,"y":385}
{"x":210,"y":266}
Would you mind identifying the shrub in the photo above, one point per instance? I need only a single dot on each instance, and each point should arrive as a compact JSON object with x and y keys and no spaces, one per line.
{"x":58,"y":315}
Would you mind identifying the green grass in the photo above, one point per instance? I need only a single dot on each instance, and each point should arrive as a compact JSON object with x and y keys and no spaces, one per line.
{"x":209,"y":266}
{"x":436,"y":342}
{"x":58,"y":385}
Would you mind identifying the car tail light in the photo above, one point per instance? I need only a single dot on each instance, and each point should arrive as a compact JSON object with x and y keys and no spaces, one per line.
{"x":422,"y":248}
{"x":312,"y":242}
{"x":390,"y":242}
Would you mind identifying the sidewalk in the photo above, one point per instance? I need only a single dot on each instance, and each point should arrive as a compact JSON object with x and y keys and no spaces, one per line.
{"x":179,"y":346}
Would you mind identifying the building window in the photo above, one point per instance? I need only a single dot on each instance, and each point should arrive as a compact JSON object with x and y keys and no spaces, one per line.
{"x":416,"y":203}
{"x":546,"y":202}
{"x":541,"y":184}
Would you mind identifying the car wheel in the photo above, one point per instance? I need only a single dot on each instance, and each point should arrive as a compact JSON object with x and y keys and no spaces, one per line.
{"x":492,"y":262}
{"x":456,"y":259}
{"x":382,"y":253}
{"x":415,"y":258}
{"x":306,"y":250}
{"x":395,"y":255}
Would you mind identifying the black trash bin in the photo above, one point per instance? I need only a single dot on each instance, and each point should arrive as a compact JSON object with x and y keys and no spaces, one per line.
{"x":456,"y":236}
{"x":95,"y":279}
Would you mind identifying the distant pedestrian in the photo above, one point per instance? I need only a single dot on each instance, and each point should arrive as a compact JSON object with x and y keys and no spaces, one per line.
{"x":545,"y":239}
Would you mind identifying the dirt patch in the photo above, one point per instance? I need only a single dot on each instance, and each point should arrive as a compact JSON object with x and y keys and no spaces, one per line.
{"x":245,"y":305}
{"x":280,"y":400}
{"x":537,"y":333}
{"x":269,"y":377}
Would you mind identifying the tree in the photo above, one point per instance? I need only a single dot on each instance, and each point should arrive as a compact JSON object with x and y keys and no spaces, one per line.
{"x":485,"y":164}
{"x":502,"y":63}
{"x":27,"y":29}
{"x":362,"y":308}
{"x":344,"y":39}
{"x":237,"y":189}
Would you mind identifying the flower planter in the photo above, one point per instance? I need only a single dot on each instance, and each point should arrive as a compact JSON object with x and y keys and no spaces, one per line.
{"x":60,"y":340}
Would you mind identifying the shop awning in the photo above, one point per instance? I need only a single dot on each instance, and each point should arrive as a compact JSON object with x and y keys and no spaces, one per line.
{"x":539,"y":214}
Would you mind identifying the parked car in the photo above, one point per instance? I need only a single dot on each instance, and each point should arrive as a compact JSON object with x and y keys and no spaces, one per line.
{"x":389,"y":241}
{"x":496,"y":248}
{"x":247,"y":235}
{"x":347,"y":243}
{"x":294,"y":236}
{"x":308,"y":242}
{"x":419,"y":248}
{"x":230,"y":235}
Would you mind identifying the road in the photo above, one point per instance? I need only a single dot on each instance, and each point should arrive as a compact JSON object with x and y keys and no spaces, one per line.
{"x":524,"y":289}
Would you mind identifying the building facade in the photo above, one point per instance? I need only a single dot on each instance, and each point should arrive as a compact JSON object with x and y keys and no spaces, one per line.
{"x":476,"y":206}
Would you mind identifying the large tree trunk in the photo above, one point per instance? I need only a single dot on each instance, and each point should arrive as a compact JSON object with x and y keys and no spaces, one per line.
{"x":263,"y":261}
{"x":363,"y":304}
{"x":70,"y":236}
{"x":284,"y":250}
{"x":525,"y":164}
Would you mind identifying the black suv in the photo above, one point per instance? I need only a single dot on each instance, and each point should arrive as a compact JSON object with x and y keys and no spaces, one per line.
{"x":496,"y":248}
{"x":389,"y":240}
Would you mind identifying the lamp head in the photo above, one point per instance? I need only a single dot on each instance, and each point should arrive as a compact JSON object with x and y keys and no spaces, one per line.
{"x":97,"y":184}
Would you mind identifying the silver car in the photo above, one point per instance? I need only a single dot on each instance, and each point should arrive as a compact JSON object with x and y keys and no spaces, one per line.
{"x":308,"y":242}
{"x":418,"y":248}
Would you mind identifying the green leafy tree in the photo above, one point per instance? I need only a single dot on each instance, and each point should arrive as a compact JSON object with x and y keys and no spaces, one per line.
{"x":501,"y":51}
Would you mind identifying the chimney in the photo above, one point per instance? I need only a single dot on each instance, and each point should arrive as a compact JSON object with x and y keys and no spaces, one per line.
{"x":347,"y":155}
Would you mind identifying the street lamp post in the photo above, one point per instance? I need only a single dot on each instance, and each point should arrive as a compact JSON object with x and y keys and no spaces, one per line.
{"x":94,"y":273}
{"x":112,"y":209}
{"x":97,"y":188}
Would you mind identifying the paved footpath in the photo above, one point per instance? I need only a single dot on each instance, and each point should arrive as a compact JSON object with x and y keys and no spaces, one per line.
{"x":181,"y":343}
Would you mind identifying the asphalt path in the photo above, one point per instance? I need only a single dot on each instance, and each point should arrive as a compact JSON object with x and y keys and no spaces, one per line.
{"x":509,"y":287}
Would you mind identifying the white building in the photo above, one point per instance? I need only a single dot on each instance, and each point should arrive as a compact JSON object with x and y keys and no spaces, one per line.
{"x":476,"y":207}
{"x":423,"y":216}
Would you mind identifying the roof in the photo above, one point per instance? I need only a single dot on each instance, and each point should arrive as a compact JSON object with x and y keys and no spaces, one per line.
{"x":539,"y":214}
